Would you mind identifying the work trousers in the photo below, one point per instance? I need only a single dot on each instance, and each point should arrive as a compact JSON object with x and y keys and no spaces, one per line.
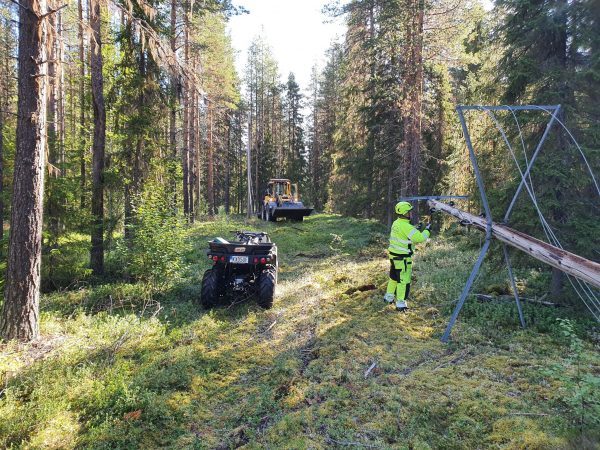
{"x":400,"y":273}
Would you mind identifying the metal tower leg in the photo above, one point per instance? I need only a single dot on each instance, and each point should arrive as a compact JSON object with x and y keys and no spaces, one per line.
{"x":466,"y":289}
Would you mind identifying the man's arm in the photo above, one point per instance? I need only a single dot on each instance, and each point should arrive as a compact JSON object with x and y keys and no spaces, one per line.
{"x":416,"y":236}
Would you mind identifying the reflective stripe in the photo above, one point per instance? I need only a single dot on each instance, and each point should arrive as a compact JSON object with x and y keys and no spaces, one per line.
{"x":412,"y":232}
{"x":397,"y":249}
{"x":399,"y":241}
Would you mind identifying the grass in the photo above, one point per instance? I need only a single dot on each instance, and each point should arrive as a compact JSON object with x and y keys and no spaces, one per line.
{"x":129,"y":366}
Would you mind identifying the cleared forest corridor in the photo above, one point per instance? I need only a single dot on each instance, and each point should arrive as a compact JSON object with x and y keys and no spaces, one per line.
{"x":132,"y":132}
{"x":120,"y":370}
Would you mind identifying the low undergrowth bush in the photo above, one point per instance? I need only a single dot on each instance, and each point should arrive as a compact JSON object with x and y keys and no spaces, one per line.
{"x":154,"y":253}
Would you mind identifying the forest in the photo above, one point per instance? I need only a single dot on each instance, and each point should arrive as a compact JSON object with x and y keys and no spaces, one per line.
{"x":129,"y":138}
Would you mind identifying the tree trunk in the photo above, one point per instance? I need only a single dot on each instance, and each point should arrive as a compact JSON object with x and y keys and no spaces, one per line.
{"x":20,"y":312}
{"x":193,"y":166}
{"x":185,"y":153}
{"x":51,"y":210}
{"x":210,"y":180}
{"x":1,"y":179}
{"x":371,"y":132}
{"x":412,"y":119}
{"x":174,"y":103}
{"x":60,"y":111}
{"x":7,"y":75}
{"x":199,"y":160}
{"x":228,"y":169}
{"x":97,"y":250}
{"x":82,"y":139}
{"x":556,"y":284}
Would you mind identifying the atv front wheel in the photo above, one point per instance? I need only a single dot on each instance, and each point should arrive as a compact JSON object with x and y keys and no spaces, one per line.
{"x":210,"y":289}
{"x":266,"y":289}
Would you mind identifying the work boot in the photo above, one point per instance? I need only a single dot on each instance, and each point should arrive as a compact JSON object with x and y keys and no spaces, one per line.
{"x":401,"y":306}
{"x":389,"y":298}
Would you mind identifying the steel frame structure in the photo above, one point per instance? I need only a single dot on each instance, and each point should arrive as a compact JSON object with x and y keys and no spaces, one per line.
{"x":554,"y":109}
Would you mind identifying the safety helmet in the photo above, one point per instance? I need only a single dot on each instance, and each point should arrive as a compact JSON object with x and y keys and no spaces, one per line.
{"x":402,"y":208}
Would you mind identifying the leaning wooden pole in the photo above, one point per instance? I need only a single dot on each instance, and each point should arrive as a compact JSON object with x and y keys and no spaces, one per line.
{"x":569,"y":263}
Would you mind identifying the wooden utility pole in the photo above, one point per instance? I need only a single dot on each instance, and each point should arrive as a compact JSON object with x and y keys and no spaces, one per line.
{"x":569,"y":263}
{"x":20,"y":312}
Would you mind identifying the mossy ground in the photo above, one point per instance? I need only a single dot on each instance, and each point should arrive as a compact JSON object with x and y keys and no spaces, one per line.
{"x":129,"y":366}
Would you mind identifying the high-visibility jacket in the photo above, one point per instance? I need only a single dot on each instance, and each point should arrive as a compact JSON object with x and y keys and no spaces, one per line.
{"x":403,"y":236}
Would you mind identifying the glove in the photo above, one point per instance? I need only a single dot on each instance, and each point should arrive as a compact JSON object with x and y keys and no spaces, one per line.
{"x":420,"y":226}
{"x":428,"y":227}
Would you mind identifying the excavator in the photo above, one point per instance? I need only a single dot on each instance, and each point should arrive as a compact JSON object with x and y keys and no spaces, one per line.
{"x":280,"y":202}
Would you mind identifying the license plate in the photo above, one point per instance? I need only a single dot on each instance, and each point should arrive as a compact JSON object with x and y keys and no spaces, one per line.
{"x":238,"y":260}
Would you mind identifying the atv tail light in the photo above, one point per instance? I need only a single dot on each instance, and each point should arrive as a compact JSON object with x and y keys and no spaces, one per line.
{"x":263,"y":260}
{"x":215,"y":258}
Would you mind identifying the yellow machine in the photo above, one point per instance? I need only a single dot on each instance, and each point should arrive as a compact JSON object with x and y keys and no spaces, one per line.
{"x":280,"y":201}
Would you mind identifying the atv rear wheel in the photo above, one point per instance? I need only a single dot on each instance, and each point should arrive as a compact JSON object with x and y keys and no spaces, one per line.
{"x":266,"y":289}
{"x":209,"y":296}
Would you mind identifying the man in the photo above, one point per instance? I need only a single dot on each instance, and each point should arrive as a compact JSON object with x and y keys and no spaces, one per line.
{"x":402,"y":239}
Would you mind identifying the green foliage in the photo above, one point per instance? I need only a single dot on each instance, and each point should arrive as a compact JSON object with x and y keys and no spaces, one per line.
{"x":579,"y":384}
{"x":154,"y":253}
{"x":67,"y":264}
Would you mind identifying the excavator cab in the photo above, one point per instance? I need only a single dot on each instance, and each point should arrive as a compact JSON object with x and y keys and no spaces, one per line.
{"x":280,"y":201}
{"x":280,"y":191}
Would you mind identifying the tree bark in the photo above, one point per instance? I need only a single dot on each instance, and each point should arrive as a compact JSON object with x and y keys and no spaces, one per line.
{"x":82,"y":139}
{"x":97,"y":234}
{"x":193,"y":160}
{"x":199,"y":159}
{"x":53,"y":151}
{"x":20,"y":312}
{"x":185,"y":152}
{"x":228,"y":169}
{"x":1,"y":180}
{"x":412,"y":119}
{"x":174,"y":102}
{"x":60,"y":111}
{"x":210,"y":180}
{"x":4,"y":102}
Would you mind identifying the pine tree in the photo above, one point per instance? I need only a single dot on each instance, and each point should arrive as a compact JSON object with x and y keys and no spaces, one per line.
{"x":20,"y":311}
{"x":294,"y":167}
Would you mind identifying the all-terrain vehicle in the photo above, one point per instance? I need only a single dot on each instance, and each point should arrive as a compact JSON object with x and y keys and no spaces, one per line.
{"x":241,"y":269}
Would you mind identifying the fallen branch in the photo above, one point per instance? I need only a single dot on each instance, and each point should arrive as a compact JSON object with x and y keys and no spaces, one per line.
{"x":363,"y":288}
{"x":491,"y":298}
